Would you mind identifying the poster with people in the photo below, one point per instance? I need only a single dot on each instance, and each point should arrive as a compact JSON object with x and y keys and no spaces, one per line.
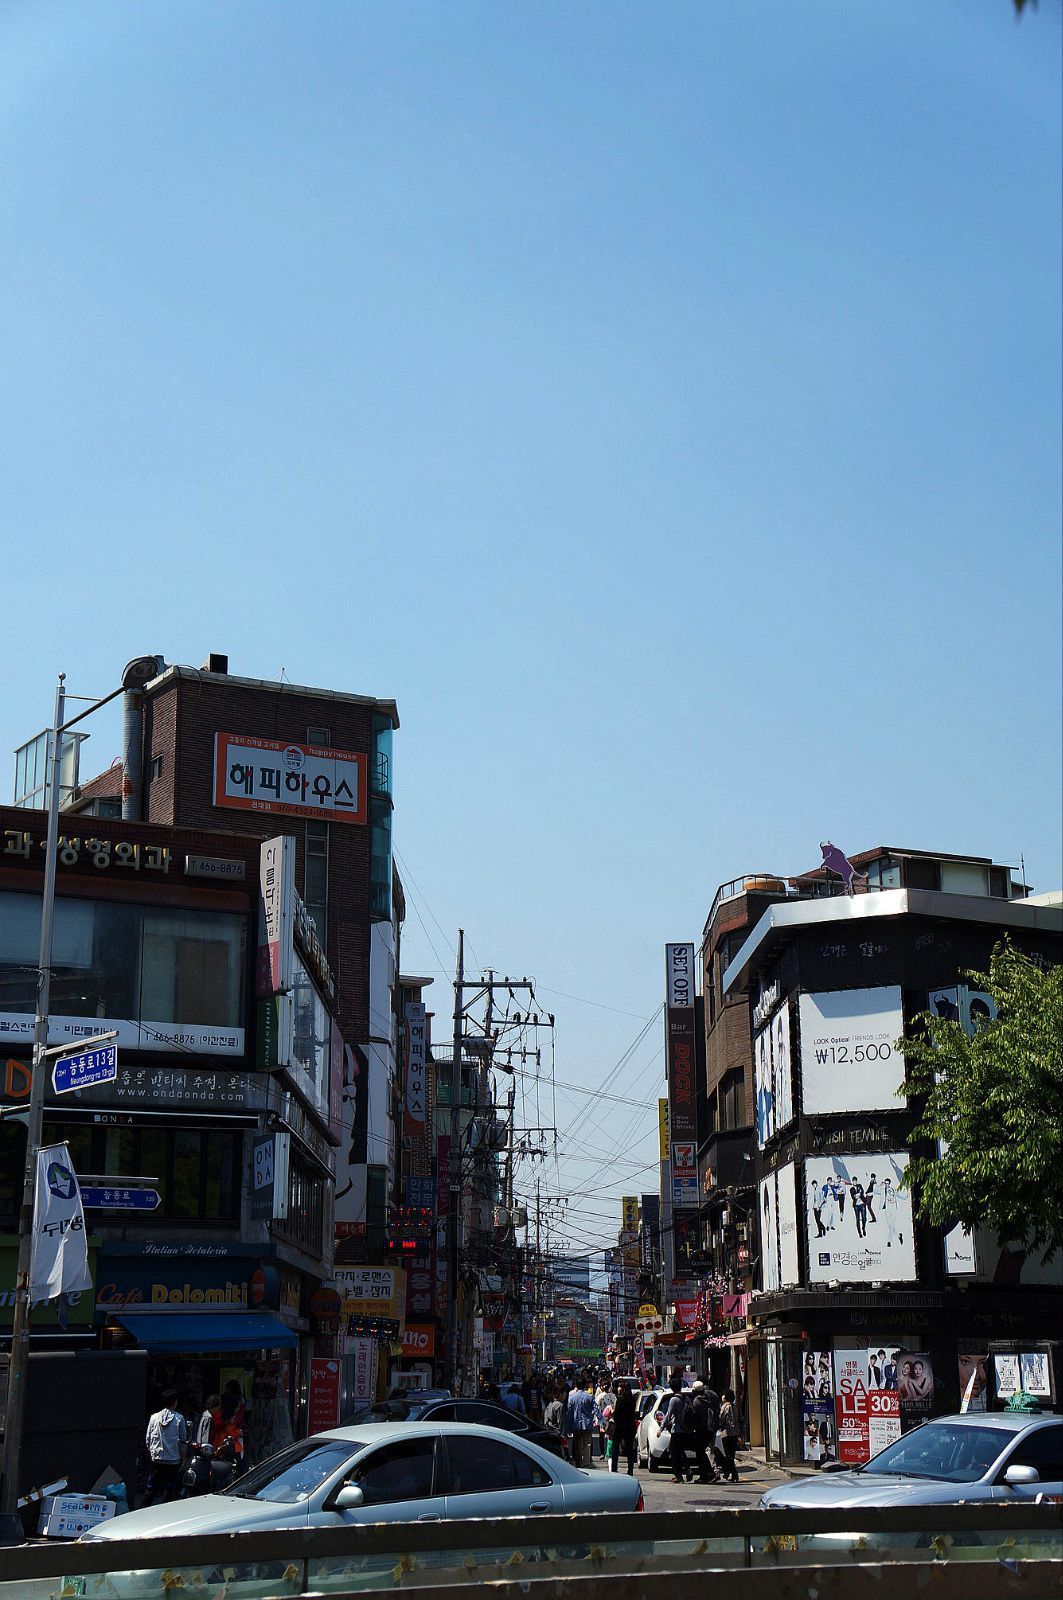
{"x":883,"y":1397}
{"x":780,"y":1056}
{"x":972,"y":1358}
{"x":915,"y":1387}
{"x":1033,"y":1371}
{"x":858,"y":1219}
{"x":767,"y":1205}
{"x":763,"y":1086}
{"x":819,"y":1440}
{"x":1007,"y":1374}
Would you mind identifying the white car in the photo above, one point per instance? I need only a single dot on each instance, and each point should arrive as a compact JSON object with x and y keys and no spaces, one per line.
{"x":651,"y":1447}
{"x":1006,"y":1456}
{"x":387,"y":1472}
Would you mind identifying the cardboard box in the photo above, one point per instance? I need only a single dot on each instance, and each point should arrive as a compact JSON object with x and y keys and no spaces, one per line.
{"x":67,"y":1516}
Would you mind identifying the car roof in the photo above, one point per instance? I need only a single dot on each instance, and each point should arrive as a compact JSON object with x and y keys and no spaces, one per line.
{"x":376,"y":1432}
{"x":1006,"y":1421}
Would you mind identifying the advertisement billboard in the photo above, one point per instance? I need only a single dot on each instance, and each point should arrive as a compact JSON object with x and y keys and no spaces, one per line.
{"x":681,"y":1045}
{"x":848,"y":1056}
{"x":416,"y":1081}
{"x":290,"y":780}
{"x":772,"y":1076}
{"x":789,"y":1239}
{"x":768,"y":1221}
{"x":858,"y":1219}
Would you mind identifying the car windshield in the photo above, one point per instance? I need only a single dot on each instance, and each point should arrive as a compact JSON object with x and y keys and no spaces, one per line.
{"x":943,"y":1450}
{"x":388,"y":1411}
{"x":295,"y":1473}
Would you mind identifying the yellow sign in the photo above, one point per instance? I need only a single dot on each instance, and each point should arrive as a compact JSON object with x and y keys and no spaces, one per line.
{"x":647,"y":1311}
{"x":662,"y":1128}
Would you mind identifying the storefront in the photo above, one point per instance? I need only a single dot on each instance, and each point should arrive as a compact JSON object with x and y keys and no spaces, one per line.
{"x":208,"y":1315}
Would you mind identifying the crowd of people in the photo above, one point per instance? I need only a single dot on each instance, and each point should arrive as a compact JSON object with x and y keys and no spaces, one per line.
{"x":597,"y":1412}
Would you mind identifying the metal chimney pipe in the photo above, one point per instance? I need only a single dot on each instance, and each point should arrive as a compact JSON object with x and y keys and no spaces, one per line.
{"x":137,"y":673}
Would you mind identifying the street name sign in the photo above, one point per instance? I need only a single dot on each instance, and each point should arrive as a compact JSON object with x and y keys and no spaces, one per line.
{"x":94,"y":1198}
{"x":89,"y":1067}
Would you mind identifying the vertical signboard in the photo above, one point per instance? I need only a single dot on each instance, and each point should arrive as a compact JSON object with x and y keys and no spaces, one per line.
{"x":679,"y":1010}
{"x":276,"y":916}
{"x":324,"y":1395}
{"x":662,"y":1129}
{"x":819,"y":1441}
{"x":416,"y":1092}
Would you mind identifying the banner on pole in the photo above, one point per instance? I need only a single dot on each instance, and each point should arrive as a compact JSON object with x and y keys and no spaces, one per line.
{"x":59,"y":1262}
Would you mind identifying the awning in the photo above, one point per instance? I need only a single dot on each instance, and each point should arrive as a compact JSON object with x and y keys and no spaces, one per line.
{"x":172,"y":1333}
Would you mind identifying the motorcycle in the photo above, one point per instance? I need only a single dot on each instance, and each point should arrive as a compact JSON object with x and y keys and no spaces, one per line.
{"x":209,"y":1471}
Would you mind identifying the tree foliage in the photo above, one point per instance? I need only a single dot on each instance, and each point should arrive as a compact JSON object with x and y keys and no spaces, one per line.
{"x":995,"y":1101}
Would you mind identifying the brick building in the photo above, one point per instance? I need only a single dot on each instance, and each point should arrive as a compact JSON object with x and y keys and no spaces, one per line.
{"x":213,"y":767}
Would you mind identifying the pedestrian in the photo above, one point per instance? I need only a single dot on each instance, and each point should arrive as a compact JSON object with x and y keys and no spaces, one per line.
{"x":581,"y":1418}
{"x":623,"y":1426}
{"x":703,"y":1417}
{"x":227,"y":1434}
{"x":167,"y":1442}
{"x":205,"y":1425}
{"x":554,"y":1414}
{"x":728,"y":1435}
{"x":605,"y":1400}
{"x":675,"y":1425}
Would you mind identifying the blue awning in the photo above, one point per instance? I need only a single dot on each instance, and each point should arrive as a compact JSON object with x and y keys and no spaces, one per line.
{"x":171,"y":1333}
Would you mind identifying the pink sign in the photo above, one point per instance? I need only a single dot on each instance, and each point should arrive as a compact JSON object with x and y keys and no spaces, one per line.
{"x":686,"y":1313}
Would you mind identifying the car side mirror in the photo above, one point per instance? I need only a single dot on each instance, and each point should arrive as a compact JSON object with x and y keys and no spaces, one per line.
{"x":1017,"y":1475}
{"x":349,"y":1498}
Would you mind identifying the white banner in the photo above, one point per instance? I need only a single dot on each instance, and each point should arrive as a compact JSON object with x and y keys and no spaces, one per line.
{"x":848,"y":1059}
{"x":859,"y":1219}
{"x":59,"y":1262}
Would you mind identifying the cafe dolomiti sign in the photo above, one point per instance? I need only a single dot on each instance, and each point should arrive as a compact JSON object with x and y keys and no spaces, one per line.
{"x":289,"y":780}
{"x":679,"y":1010}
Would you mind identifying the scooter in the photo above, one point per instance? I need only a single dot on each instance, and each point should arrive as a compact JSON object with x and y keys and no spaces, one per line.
{"x":208,"y":1471}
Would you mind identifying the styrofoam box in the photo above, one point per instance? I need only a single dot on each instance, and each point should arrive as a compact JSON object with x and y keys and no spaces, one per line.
{"x":65,"y":1516}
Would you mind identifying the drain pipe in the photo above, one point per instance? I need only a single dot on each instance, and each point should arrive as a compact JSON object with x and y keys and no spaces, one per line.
{"x":137,"y":673}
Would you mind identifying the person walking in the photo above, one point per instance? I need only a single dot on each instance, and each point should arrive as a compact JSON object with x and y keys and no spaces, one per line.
{"x":581,"y":1417}
{"x":205,"y":1425}
{"x":554,"y":1412}
{"x":675,"y":1425}
{"x":624,"y":1427}
{"x":703,"y":1417}
{"x":166,"y":1438}
{"x":605,"y":1400}
{"x":728,"y":1435}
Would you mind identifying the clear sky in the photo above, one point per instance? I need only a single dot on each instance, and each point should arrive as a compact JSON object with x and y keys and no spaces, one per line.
{"x":662,"y":403}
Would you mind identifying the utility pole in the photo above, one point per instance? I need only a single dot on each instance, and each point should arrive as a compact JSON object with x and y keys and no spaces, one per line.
{"x":455,"y":1160}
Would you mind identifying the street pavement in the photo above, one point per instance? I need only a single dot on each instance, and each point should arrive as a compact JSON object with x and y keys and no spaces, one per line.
{"x":661,"y":1494}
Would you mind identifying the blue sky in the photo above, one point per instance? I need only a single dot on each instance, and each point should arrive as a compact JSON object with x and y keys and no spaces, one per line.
{"x":662,"y":403}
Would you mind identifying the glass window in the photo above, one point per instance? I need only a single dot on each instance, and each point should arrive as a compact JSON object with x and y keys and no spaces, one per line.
{"x":528,"y":1474}
{"x":380,"y":858}
{"x":1043,"y":1450}
{"x":187,"y":1171}
{"x":478,"y":1465}
{"x":295,"y":1473}
{"x":193,"y":967}
{"x":401,"y":1471}
{"x":953,"y":1452}
{"x":380,"y":777}
{"x":487,"y":1416}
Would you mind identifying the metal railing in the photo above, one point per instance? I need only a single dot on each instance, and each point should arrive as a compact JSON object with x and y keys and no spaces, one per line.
{"x":373,"y":1558}
{"x":747,"y":883}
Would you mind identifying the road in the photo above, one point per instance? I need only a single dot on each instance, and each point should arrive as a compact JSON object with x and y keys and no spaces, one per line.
{"x":661,"y":1494}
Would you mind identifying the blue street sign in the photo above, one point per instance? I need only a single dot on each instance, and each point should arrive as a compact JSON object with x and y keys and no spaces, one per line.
{"x":97,"y":1199}
{"x":91,"y":1066}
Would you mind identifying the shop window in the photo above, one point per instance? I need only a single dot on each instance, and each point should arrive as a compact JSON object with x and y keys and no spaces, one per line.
{"x":305,"y":1222}
{"x":112,"y":959}
{"x":196,"y":1173}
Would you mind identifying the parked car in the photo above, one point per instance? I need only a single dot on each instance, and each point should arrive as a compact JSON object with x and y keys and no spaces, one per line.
{"x":984,"y":1455}
{"x":445,"y":1408}
{"x":387,"y":1472}
{"x":649,"y":1442}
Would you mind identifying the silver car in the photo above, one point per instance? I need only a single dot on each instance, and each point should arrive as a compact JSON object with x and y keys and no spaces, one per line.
{"x":387,"y":1472}
{"x":987,"y":1455}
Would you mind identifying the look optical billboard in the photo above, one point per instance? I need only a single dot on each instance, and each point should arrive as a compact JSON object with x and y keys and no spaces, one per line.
{"x":849,"y":1060}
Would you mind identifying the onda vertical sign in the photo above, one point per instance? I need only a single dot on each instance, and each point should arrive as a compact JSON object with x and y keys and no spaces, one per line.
{"x":681,"y":1044}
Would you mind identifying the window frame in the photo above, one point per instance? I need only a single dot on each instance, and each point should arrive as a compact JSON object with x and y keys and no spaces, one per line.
{"x":365,"y":1461}
{"x":501,"y":1443}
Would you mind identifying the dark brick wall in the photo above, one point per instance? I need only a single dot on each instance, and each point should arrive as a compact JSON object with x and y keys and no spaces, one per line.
{"x":182,"y":718}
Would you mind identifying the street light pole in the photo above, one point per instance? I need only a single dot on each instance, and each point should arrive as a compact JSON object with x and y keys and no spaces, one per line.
{"x":455,"y":1161}
{"x":18,"y":1361}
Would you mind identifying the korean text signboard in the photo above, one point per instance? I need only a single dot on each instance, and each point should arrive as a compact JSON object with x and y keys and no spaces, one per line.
{"x":324,"y":1396}
{"x":81,"y":1071}
{"x":290,"y":780}
{"x":416,"y":1082}
{"x":679,"y":974}
{"x":276,"y":913}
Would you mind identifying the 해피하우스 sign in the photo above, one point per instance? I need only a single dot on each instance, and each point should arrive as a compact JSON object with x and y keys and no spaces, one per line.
{"x":290,"y":780}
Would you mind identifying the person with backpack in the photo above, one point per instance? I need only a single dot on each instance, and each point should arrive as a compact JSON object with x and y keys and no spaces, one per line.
{"x":702,"y":1418}
{"x":675,"y":1425}
{"x":166,"y":1439}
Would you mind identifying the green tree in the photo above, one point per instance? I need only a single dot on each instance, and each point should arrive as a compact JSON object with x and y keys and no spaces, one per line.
{"x":995,"y":1101}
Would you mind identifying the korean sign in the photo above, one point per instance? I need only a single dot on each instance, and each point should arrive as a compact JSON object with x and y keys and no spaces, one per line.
{"x":276,"y":911}
{"x":415,"y":1069}
{"x":291,"y":780}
